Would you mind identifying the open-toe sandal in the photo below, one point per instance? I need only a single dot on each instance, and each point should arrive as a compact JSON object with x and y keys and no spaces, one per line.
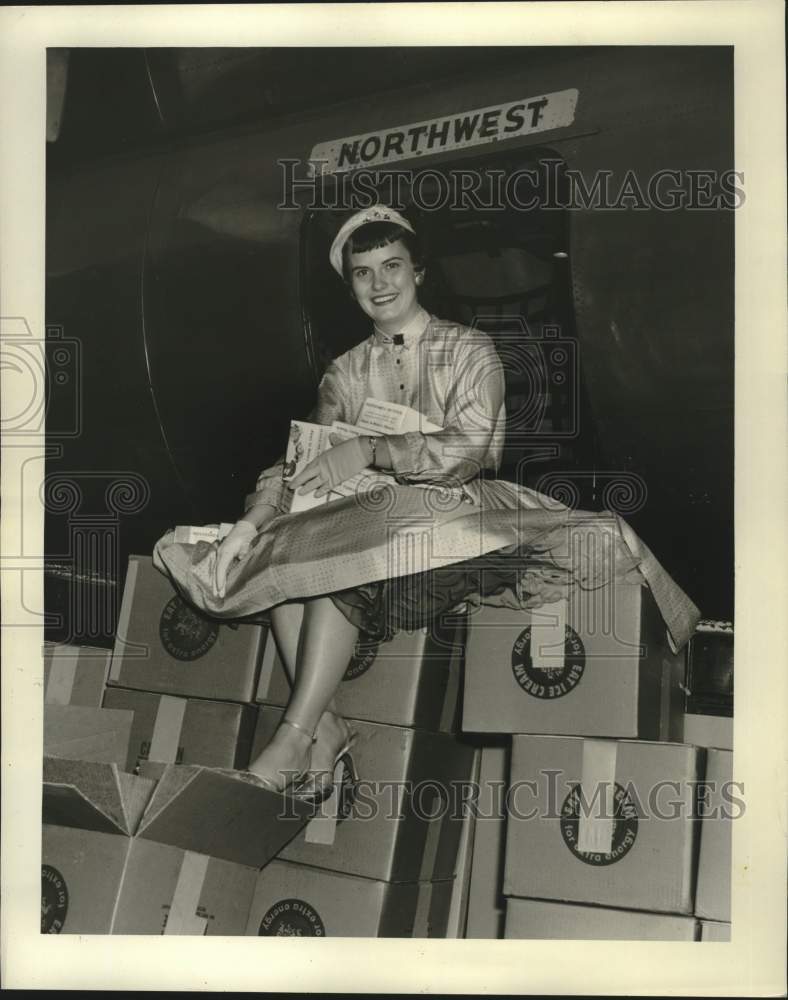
{"x":293,"y":779}
{"x":310,"y":789}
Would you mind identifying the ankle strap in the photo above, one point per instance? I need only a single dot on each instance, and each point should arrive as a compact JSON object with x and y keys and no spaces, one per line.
{"x":300,"y":728}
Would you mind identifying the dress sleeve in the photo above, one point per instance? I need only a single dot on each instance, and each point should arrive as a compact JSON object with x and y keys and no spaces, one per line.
{"x":270,"y":489}
{"x":472,"y":435}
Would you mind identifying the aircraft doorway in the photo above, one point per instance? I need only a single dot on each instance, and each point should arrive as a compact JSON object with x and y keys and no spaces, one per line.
{"x":500,"y":269}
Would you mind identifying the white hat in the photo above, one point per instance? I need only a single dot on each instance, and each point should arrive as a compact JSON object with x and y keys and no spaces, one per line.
{"x":377,"y":213}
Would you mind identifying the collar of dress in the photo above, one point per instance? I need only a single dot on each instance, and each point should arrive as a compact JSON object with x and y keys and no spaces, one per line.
{"x":411,"y":331}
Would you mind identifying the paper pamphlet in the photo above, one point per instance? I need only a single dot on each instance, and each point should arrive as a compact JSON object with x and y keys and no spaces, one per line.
{"x":190,"y":534}
{"x":392,"y":418}
{"x":307,"y":441}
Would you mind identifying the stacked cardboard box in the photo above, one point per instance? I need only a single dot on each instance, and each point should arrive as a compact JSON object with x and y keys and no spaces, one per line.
{"x":709,"y":723}
{"x":299,"y":901}
{"x":75,"y":725}
{"x":712,"y":930}
{"x":92,"y":734}
{"x":402,"y":699}
{"x":721,"y":803}
{"x":560,"y":846}
{"x":189,"y":680}
{"x":596,"y":665}
{"x":539,"y":919}
{"x":412,"y":680}
{"x":75,"y":675}
{"x":486,"y":905}
{"x":392,"y":829}
{"x":185,"y":730}
{"x":183,"y":686}
{"x":165,"y":645}
{"x":175,"y":851}
{"x":602,"y":833}
{"x":709,"y":692}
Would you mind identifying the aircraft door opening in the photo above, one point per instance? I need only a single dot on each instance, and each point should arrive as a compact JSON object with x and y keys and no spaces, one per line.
{"x":503,"y":270}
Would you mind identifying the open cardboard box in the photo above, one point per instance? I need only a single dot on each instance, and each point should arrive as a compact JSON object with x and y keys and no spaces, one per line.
{"x":191,"y":808}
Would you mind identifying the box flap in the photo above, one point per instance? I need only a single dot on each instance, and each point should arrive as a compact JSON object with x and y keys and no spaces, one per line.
{"x":202,"y":810}
{"x":136,"y":793}
{"x":89,"y":795}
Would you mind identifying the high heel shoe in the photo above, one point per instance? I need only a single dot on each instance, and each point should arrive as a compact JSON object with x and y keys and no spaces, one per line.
{"x":315,"y":792}
{"x":292,"y":779}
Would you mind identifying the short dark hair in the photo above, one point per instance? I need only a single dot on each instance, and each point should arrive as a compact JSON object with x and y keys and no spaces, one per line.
{"x":372,"y":235}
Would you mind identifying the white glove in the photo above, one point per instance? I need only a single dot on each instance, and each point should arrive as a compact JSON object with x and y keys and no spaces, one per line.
{"x":235,"y":546}
{"x":333,"y":466}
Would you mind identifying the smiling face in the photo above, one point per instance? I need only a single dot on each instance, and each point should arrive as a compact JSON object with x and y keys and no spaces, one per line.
{"x":384,"y":283}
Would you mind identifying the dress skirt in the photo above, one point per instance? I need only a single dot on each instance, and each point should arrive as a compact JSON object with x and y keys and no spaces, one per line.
{"x":397,"y":557}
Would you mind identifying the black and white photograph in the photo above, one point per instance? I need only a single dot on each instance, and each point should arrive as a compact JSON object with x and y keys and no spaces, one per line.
{"x":385,"y":439}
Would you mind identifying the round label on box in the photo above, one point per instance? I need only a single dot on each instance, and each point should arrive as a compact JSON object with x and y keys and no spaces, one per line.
{"x":362,"y":659}
{"x":625,"y":826}
{"x":54,"y":900}
{"x":548,"y":682}
{"x":185,"y":633}
{"x":291,"y":918}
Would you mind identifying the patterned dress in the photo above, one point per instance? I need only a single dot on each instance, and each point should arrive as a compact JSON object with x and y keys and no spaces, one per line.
{"x":444,"y":531}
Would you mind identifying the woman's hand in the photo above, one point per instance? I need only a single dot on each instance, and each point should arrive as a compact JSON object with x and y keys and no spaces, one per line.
{"x":234,"y":546}
{"x":334,"y":466}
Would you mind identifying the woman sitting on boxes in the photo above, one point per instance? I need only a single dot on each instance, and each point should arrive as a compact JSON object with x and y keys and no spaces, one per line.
{"x":335,"y":571}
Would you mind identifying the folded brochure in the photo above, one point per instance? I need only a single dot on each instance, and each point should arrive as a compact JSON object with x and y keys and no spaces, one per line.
{"x":308,"y":440}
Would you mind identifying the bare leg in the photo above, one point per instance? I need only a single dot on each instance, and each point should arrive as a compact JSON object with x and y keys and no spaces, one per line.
{"x":286,"y":622}
{"x":325,"y":646}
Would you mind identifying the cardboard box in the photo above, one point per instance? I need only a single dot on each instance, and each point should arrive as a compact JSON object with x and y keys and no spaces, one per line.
{"x":539,"y":920}
{"x":713,"y":930}
{"x":75,"y":675}
{"x":487,"y":906}
{"x":165,"y":645}
{"x":104,"y":883}
{"x":298,"y":901}
{"x":412,"y":680}
{"x":597,"y":665}
{"x":185,"y":730}
{"x":191,"y":808}
{"x":460,"y":896}
{"x":603,"y":821}
{"x":710,"y":669}
{"x":81,"y":733}
{"x":708,"y":731}
{"x":399,"y":817}
{"x":713,"y":895}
